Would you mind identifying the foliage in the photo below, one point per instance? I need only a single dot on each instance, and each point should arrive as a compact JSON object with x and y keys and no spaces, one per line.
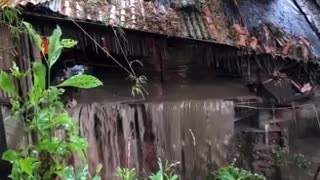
{"x":138,"y":87}
{"x":11,"y":17}
{"x":234,"y":173}
{"x":42,"y":112}
{"x":127,"y":174}
{"x":166,"y":172}
{"x":81,"y":81}
{"x":284,"y":159}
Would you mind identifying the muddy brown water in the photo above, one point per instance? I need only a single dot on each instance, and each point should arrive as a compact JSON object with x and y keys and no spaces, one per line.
{"x":195,"y":133}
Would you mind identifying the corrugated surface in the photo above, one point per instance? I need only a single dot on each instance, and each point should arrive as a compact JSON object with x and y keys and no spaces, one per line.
{"x":195,"y":25}
{"x":185,"y":20}
{"x":311,"y":10}
{"x":7,"y":51}
{"x":284,"y":14}
{"x":198,"y":19}
{"x":15,"y":3}
{"x":180,"y":3}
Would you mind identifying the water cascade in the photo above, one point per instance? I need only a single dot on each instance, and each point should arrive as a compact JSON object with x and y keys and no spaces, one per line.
{"x":195,"y":133}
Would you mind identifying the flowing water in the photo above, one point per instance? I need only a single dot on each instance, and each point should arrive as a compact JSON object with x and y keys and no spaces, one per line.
{"x":195,"y":133}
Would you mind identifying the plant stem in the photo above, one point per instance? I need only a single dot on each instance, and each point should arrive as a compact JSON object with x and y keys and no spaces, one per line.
{"x":317,"y":173}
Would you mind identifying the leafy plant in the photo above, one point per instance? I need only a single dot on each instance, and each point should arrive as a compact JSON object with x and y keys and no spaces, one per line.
{"x":234,"y":173}
{"x":42,"y":112}
{"x":283,"y":158}
{"x":127,"y":174}
{"x":11,"y":17}
{"x":166,"y":172}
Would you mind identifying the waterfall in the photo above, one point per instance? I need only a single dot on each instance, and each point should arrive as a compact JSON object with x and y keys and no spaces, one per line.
{"x":195,"y":133}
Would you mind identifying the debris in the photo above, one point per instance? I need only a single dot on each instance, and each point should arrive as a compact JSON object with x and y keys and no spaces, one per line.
{"x":241,"y":35}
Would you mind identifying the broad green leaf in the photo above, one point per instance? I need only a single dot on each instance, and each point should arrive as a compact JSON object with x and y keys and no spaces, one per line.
{"x":36,"y":37}
{"x":27,"y":165}
{"x":40,"y":73}
{"x":42,"y":120}
{"x":10,"y":155}
{"x":7,"y":83}
{"x":54,"y":146}
{"x":68,"y":43}
{"x":62,"y":120}
{"x":55,"y":47}
{"x":82,"y":81}
{"x":49,"y":146}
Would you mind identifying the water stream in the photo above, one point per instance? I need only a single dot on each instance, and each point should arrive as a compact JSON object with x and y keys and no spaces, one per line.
{"x":195,"y":133}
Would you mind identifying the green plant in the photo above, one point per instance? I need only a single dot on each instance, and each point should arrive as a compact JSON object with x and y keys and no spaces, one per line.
{"x":283,"y":158}
{"x":166,"y":172}
{"x":11,"y":17}
{"x":234,"y":173}
{"x":42,"y":112}
{"x":127,"y":174}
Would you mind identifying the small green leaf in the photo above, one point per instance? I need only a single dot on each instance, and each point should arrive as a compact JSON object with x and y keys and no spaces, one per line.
{"x":10,"y":155}
{"x":83,"y":173}
{"x":40,"y":73}
{"x":78,"y":144}
{"x":82,"y":81}
{"x":68,"y":43}
{"x":7,"y":83}
{"x":55,"y":47}
{"x":27,"y":165}
{"x":36,"y":37}
{"x":67,"y":173}
{"x":52,"y":95}
{"x":174,"y":177}
{"x":15,"y":71}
